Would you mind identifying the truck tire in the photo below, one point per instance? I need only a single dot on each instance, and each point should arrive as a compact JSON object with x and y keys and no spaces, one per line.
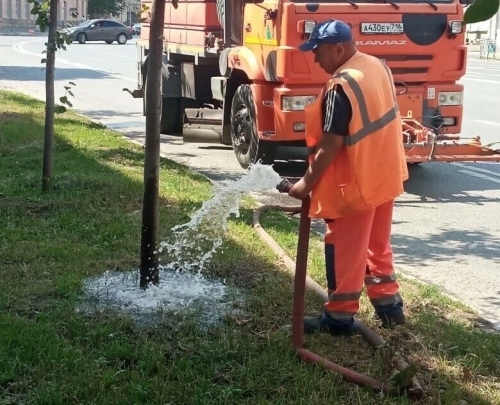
{"x":247,"y":146}
{"x":237,"y":19}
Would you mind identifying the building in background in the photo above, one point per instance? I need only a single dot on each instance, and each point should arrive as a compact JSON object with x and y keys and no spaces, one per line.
{"x":130,"y":13}
{"x":15,"y":15}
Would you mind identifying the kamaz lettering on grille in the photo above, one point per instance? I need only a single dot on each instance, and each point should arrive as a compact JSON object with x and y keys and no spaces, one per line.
{"x":381,"y":43}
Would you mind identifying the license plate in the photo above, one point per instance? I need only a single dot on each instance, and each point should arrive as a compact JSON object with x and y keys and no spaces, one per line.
{"x":381,"y":28}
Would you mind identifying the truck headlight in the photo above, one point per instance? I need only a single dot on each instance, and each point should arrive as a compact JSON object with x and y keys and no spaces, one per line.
{"x":296,"y":103}
{"x":450,"y":97}
{"x":455,"y":27}
{"x":309,"y":26}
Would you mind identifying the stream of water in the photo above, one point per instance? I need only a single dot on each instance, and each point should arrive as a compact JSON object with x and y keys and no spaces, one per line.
{"x":192,"y":245}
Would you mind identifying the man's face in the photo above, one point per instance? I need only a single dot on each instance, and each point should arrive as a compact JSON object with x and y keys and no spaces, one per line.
{"x":328,"y":57}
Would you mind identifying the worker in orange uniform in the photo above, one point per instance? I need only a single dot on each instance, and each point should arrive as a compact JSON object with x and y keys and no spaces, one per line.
{"x":357,"y":167}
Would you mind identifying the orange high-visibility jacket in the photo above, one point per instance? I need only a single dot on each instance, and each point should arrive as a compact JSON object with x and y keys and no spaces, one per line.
{"x":371,"y":166}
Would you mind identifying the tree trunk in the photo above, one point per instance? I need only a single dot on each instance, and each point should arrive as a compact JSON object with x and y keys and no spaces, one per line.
{"x":48,"y":141}
{"x":149,"y":242}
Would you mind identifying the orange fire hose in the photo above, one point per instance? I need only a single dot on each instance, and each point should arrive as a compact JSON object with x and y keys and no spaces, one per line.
{"x":301,"y":280}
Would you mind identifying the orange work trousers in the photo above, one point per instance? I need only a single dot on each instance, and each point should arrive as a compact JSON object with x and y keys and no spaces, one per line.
{"x":358,"y":252}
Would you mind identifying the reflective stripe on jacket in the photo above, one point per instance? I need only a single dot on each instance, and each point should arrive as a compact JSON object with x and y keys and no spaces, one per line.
{"x":371,"y":166}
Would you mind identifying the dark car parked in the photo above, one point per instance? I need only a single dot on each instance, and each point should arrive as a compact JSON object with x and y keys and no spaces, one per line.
{"x":100,"y":30}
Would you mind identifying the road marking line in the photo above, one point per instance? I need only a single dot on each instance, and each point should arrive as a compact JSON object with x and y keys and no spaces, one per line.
{"x":477,"y":169}
{"x":480,"y":80}
{"x":488,"y":122}
{"x":479,"y":175}
{"x":489,"y":68}
{"x":483,"y":72}
{"x":19,"y":47}
{"x":482,"y":75}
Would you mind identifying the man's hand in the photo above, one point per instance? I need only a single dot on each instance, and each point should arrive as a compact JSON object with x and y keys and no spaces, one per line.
{"x":299,"y":190}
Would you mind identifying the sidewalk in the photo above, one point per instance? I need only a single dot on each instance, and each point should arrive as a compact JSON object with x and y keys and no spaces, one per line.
{"x":22,"y":34}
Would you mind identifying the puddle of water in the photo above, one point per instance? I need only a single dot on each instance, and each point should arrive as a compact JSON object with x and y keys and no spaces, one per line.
{"x":182,"y":284}
{"x":177,"y":292}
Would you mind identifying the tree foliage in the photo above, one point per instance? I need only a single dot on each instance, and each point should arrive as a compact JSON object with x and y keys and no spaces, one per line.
{"x":481,"y":10}
{"x":101,"y":8}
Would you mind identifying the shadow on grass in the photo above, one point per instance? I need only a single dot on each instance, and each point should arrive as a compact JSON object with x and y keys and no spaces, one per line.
{"x":90,"y":224}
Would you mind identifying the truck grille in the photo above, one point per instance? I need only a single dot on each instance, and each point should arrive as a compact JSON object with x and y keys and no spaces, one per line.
{"x":407,"y":64}
{"x":403,"y":58}
{"x":403,"y":71}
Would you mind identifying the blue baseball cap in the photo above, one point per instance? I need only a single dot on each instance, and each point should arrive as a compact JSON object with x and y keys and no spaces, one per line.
{"x":327,"y":32}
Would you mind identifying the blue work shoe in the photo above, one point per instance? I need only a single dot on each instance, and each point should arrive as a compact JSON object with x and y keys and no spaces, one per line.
{"x":325,"y":323}
{"x":390,"y":315}
{"x":391,"y":318}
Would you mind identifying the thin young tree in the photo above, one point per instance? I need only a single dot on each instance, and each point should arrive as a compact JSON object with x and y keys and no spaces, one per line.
{"x":149,"y":272}
{"x":48,"y":139}
{"x":46,"y":16}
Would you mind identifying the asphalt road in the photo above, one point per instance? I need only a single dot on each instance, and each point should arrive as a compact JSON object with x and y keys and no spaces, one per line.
{"x":446,"y":225}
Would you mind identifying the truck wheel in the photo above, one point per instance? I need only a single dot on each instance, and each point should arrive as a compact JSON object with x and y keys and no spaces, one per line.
{"x":246,"y":144}
{"x":171,"y":118}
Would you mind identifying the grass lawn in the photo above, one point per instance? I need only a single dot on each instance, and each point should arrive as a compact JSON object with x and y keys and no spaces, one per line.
{"x":90,"y":223}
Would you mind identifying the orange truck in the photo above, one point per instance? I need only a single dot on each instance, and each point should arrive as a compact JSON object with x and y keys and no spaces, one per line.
{"x":249,"y":83}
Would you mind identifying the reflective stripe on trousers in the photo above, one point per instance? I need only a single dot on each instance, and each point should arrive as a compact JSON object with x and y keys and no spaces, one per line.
{"x":349,"y":266}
